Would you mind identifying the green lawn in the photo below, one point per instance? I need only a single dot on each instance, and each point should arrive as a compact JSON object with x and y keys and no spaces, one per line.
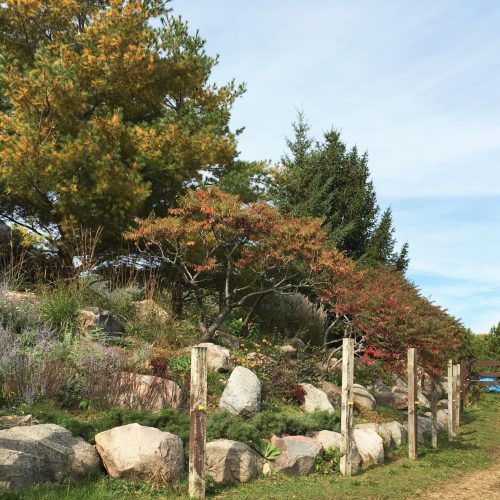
{"x":400,"y":478}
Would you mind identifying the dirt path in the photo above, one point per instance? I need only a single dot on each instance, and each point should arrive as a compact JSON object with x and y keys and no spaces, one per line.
{"x":481,"y":485}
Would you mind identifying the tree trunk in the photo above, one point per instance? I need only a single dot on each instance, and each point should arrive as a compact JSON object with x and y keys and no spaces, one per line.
{"x":177,"y":300}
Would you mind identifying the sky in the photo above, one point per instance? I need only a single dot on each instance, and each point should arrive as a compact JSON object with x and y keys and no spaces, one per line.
{"x":414,"y":83}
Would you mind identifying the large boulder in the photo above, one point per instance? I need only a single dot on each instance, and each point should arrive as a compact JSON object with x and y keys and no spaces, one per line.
{"x":333,"y":441}
{"x":9,"y":421}
{"x":148,"y":309}
{"x":315,"y":399}
{"x":93,"y":319}
{"x":298,"y":455}
{"x":385,"y":396}
{"x":242,"y":393}
{"x":146,"y":392}
{"x":397,"y":431}
{"x":370,"y":446}
{"x":45,"y":453}
{"x":333,"y":392}
{"x":363,"y":400}
{"x":294,"y":345}
{"x":218,"y":358}
{"x":381,"y":431}
{"x":139,"y":452}
{"x":228,"y":340}
{"x":231,"y":462}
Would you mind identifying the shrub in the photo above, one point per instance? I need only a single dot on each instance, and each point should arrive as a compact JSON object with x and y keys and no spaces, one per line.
{"x":59,"y":310}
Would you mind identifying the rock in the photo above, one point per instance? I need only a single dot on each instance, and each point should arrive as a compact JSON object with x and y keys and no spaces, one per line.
{"x":218,"y":358}
{"x":333,"y":440}
{"x":298,"y":455}
{"x":381,"y":431}
{"x":370,"y":446}
{"x":293,"y":346}
{"x":146,"y":392}
{"x":286,"y":349}
{"x":385,"y":396}
{"x":362,"y":398}
{"x":228,"y":340}
{"x":442,"y":404}
{"x":148,"y":309}
{"x":424,"y":402}
{"x":231,"y":462}
{"x":139,"y":452}
{"x":10,"y":421}
{"x":242,"y":393}
{"x":315,"y":399}
{"x":45,"y":453}
{"x":398,"y":433}
{"x":94,"y":319}
{"x":442,"y":418}
{"x":333,"y":392}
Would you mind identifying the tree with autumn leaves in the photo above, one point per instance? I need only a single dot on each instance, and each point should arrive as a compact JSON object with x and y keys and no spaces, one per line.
{"x":106,"y":114}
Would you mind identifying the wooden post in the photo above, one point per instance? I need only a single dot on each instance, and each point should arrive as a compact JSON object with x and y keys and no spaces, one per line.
{"x":455,"y":399}
{"x":434,"y":421}
{"x":347,"y":405}
{"x":459,"y":394}
{"x":464,"y":375}
{"x":412,"y":400}
{"x":451,"y":403}
{"x":198,"y":422}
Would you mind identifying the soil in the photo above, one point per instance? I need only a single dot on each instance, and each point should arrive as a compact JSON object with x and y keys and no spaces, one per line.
{"x":483,"y":485}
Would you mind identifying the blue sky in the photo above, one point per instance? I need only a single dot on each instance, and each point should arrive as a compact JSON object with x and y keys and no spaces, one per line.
{"x":417,"y":84}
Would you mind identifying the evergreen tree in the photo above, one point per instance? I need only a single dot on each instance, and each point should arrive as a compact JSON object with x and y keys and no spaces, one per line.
{"x":327,"y":180}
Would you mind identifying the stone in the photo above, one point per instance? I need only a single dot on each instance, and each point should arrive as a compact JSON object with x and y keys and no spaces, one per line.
{"x":385,"y":396}
{"x":381,"y":431}
{"x":44,"y":453}
{"x":146,"y":392}
{"x":398,"y":433}
{"x":442,"y":404}
{"x":231,"y":462}
{"x":333,"y":440}
{"x":228,"y":340}
{"x":333,"y":392}
{"x":287,"y":349}
{"x":139,"y":452}
{"x":149,"y":310}
{"x":370,"y":446}
{"x":363,"y":400}
{"x":94,"y":319}
{"x":442,"y":418}
{"x":297,"y":344}
{"x":422,"y":399}
{"x":218,"y":358}
{"x":9,"y":421}
{"x":242,"y":393}
{"x":315,"y":399}
{"x":298,"y":455}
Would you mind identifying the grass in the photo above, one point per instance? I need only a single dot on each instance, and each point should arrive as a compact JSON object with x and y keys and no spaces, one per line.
{"x":478,"y":438}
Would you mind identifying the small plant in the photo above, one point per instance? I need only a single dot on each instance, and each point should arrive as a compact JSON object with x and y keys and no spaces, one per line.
{"x":180,"y":365}
{"x":298,"y":394}
{"x":159,"y":365}
{"x":268,"y":451}
{"x":84,"y":405}
{"x":328,"y":462}
{"x":59,"y":310}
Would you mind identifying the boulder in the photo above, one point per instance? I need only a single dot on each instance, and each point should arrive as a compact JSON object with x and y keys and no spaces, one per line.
{"x":362,"y":398}
{"x":139,"y":452}
{"x":442,"y":404}
{"x":228,"y":340}
{"x":399,"y":435}
{"x":298,"y":455}
{"x":218,"y":358}
{"x":381,"y":431}
{"x":242,"y":393}
{"x":231,"y":462}
{"x":442,"y":418}
{"x":333,"y":392}
{"x":146,"y":392}
{"x":293,"y":346}
{"x":385,"y":396}
{"x":148,"y":309}
{"x":315,"y":399}
{"x":94,"y":319}
{"x":333,"y":440}
{"x":9,"y":421}
{"x":45,"y":453}
{"x":370,"y":446}
{"x":286,"y":349}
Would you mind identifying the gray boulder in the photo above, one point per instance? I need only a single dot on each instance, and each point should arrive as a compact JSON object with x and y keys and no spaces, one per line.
{"x":333,"y":392}
{"x":9,"y":421}
{"x":231,"y":462}
{"x":385,"y":396}
{"x":397,"y":431}
{"x":381,"y":431}
{"x":218,"y":358}
{"x":45,"y":453}
{"x":136,"y":451}
{"x":242,"y":393}
{"x":298,"y":455}
{"x":315,"y":399}
{"x":93,"y":319}
{"x":370,"y":446}
{"x":333,"y":441}
{"x":363,"y":400}
{"x":227,"y":340}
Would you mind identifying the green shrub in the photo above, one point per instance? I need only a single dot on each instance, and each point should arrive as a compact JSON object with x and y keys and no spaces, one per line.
{"x":59,"y":309}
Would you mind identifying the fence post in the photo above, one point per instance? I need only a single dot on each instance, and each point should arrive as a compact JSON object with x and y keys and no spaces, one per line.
{"x":198,"y":422}
{"x":434,"y":422}
{"x":458,"y":402}
{"x":412,"y":403}
{"x":464,"y":375}
{"x":347,"y":405}
{"x":451,"y":402}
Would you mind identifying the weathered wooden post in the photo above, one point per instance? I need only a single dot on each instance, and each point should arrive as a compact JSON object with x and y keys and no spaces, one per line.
{"x":459,"y":394}
{"x":198,"y":422}
{"x":412,"y":403}
{"x":347,"y":405}
{"x":451,"y":402}
{"x":464,"y":375}
{"x":434,"y":421}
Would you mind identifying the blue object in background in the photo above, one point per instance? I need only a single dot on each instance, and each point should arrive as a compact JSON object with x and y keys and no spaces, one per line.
{"x":491,"y":388}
